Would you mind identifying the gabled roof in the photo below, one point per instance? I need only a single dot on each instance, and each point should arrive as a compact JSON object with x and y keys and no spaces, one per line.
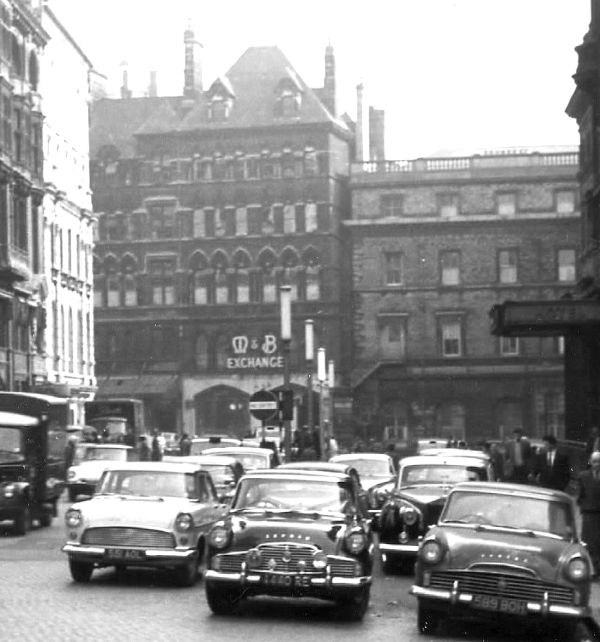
{"x":252,"y":83}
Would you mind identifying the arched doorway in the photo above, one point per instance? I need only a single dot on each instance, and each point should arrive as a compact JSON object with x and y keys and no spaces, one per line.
{"x":221,"y":409}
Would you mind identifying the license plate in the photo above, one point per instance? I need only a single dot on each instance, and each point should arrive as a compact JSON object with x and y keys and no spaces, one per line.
{"x":501,"y":604}
{"x":291,"y":581}
{"x":124,"y":554}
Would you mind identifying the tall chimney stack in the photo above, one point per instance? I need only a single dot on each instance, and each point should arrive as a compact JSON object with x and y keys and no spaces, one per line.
{"x":329,"y":93}
{"x":193,"y":65}
{"x":376,"y":134}
{"x":152,"y":88}
{"x":125,"y":91}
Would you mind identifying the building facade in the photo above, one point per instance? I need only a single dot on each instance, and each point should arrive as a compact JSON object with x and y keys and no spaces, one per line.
{"x":22,"y":315}
{"x":67,"y":230}
{"x":434,"y":243}
{"x":207,"y":203}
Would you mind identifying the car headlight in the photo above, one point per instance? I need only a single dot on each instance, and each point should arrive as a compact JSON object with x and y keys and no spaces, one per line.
{"x":183,"y":522}
{"x":8,"y":490}
{"x":355,"y":542}
{"x":409,"y":515}
{"x":319,"y":560}
{"x":577,"y":570}
{"x":219,"y":537}
{"x":431,"y":551}
{"x":73,"y":518}
{"x":72,"y":474}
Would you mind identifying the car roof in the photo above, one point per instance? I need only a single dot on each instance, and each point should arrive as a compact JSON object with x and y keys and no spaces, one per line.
{"x":296,"y":473}
{"x":513,"y":489}
{"x":92,"y":445}
{"x":155,"y":466}
{"x":432,"y":460}
{"x":202,"y":460}
{"x":325,"y":466}
{"x":455,"y":452}
{"x":354,"y":456}
{"x":240,"y":450}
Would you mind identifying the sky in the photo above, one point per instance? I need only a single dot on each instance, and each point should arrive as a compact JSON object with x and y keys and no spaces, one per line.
{"x":451,"y":75}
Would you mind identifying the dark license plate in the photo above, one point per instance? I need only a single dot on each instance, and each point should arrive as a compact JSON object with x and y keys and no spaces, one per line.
{"x":291,"y":581}
{"x":501,"y":604}
{"x":124,"y":554}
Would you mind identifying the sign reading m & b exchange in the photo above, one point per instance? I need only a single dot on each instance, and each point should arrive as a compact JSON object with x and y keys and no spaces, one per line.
{"x":258,"y":352}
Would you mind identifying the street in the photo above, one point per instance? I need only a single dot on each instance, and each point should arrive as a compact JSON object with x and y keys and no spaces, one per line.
{"x":40,"y":602}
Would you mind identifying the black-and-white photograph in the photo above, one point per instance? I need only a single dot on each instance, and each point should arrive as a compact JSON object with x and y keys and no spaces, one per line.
{"x":300,"y":320}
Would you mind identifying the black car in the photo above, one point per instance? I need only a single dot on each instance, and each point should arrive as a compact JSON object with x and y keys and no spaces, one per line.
{"x":416,"y":501}
{"x":291,"y":533}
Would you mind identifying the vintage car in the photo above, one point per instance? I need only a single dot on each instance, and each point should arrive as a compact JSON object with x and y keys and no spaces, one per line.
{"x":250,"y":458}
{"x":201,"y":444}
{"x":146,"y":514}
{"x":291,"y":533}
{"x":503,"y":550}
{"x":415,"y":503}
{"x":93,"y":460}
{"x":225,"y":472}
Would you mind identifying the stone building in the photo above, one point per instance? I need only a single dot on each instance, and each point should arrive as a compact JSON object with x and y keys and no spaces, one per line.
{"x":208,"y":202}
{"x":22,"y":317}
{"x":434,"y":244}
{"x":67,"y":230}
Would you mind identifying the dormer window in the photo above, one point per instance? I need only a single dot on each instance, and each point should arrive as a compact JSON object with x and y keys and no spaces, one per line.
{"x":219,"y":108}
{"x":288,"y":97}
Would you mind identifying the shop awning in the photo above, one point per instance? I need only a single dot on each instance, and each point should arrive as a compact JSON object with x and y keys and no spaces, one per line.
{"x":140,"y":386}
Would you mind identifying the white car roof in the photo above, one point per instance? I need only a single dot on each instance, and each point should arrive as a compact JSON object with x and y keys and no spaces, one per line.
{"x":436,"y":460}
{"x":92,"y":446}
{"x":201,"y":460}
{"x":155,"y":466}
{"x":455,"y":452}
{"x":354,"y":456}
{"x":240,"y":450}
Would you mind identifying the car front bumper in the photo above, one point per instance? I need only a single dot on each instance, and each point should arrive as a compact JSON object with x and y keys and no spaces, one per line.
{"x":157,"y":557}
{"x":457,"y":599}
{"x":410,"y":548}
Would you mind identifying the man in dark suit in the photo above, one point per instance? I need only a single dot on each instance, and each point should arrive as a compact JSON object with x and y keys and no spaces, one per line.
{"x":589,"y":504}
{"x":551,"y":468}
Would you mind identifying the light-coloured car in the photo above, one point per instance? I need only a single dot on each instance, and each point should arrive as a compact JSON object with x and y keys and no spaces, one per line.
{"x":92,"y":460}
{"x":373,"y":468}
{"x":144,"y":514}
{"x":250,"y":458}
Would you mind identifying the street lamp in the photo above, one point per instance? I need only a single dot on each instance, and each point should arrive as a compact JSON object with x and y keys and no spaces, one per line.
{"x":322,"y":377}
{"x":309,"y":346}
{"x":285,"y":303}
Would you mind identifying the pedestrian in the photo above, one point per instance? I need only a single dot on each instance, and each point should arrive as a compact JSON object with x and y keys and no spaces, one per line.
{"x":156,"y":452}
{"x":551,"y":468}
{"x":144,"y":449}
{"x":588,"y":498}
{"x":593,"y":442}
{"x":518,"y":458}
{"x":185,"y":445}
{"x":70,"y":451}
{"x":492,"y":451}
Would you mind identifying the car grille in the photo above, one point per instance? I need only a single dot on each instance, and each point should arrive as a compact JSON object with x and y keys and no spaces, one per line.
{"x":232,"y":562}
{"x":502,"y":585}
{"x":119,"y":536}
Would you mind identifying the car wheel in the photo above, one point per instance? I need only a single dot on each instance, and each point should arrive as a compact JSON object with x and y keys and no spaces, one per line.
{"x":81,"y":571}
{"x":427,"y":621}
{"x":355,"y":607}
{"x":23,"y":521}
{"x":221,"y":601}
{"x":45,"y":519}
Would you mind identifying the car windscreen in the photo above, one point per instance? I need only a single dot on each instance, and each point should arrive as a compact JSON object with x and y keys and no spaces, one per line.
{"x":11,"y":443}
{"x":368,"y":467}
{"x":104,"y":454}
{"x":440,"y":474}
{"x":289,"y":494}
{"x":510,"y":511}
{"x":144,"y":483}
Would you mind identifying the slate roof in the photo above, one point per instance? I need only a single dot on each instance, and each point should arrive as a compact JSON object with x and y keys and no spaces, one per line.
{"x":253,"y":82}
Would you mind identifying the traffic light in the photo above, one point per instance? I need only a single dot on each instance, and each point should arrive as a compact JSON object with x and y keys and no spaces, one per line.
{"x":286,"y":405}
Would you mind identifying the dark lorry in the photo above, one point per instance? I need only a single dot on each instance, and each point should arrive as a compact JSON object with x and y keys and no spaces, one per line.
{"x":33,"y":440}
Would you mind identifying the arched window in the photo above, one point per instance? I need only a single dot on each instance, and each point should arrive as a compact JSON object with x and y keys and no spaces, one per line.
{"x":289,"y":260}
{"x":242,"y":277}
{"x":268,"y":281}
{"x":113,"y":290}
{"x":201,"y":352}
{"x":312,"y":275}
{"x":34,"y":71}
{"x":200,"y":280}
{"x":162,"y":278}
{"x":130,"y":295}
{"x":219,"y":265}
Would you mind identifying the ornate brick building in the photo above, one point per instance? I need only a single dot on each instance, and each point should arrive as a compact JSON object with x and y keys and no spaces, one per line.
{"x":207,"y":203}
{"x":434,"y":244}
